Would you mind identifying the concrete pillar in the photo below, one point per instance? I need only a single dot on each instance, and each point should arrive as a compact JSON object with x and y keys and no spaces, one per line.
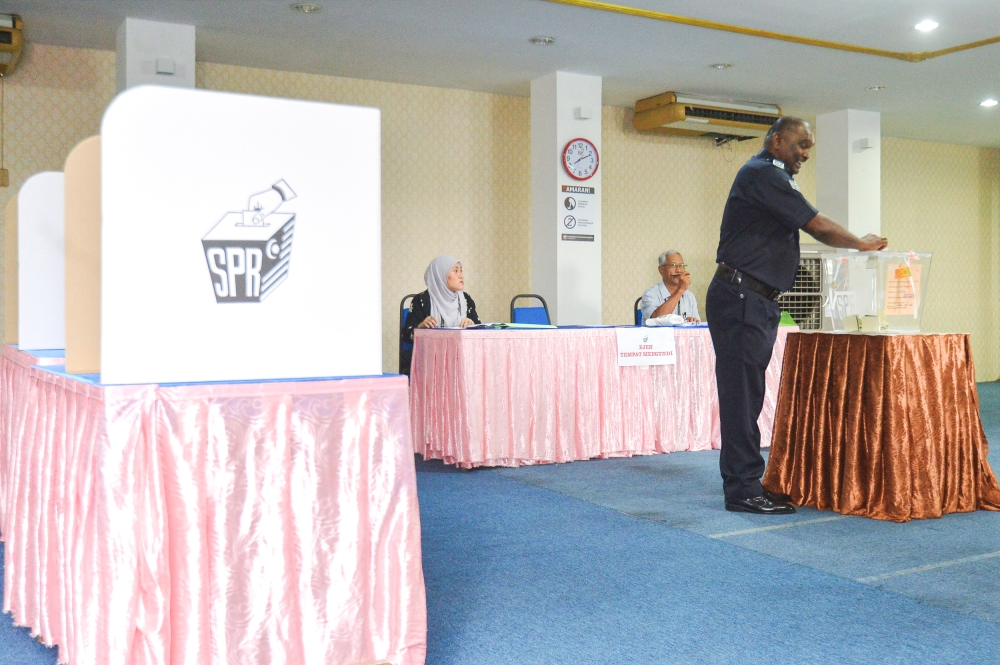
{"x":566,"y":211}
{"x":149,"y":52}
{"x":849,"y":169}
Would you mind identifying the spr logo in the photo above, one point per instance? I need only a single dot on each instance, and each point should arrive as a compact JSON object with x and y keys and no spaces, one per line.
{"x":249,"y":252}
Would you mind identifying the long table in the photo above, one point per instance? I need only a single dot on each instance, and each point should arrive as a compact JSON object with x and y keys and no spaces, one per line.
{"x":270,"y":522}
{"x":884,"y":426}
{"x":512,"y":397}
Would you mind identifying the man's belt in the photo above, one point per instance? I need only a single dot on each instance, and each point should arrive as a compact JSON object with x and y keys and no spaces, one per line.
{"x":734,"y":276}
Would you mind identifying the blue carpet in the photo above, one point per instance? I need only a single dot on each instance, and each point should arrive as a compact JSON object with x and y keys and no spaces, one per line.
{"x":683,"y":491}
{"x":17,"y":646}
{"x":520,"y":574}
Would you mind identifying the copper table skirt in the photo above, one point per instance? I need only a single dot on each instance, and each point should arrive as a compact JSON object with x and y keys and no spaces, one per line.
{"x":885,"y":426}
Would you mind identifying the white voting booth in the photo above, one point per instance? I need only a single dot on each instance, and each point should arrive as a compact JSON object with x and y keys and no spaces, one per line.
{"x":240,"y":238}
{"x":207,"y":237}
{"x":41,"y":290}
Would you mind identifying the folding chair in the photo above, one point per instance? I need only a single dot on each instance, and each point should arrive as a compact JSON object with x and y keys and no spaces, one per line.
{"x":404,"y":311}
{"x":536,"y":315}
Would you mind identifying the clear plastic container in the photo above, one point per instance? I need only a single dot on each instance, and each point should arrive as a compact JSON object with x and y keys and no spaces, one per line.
{"x":875,"y":291}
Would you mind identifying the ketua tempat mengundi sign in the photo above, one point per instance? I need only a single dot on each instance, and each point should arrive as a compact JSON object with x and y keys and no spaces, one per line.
{"x":236,"y":233}
{"x":646,"y":346}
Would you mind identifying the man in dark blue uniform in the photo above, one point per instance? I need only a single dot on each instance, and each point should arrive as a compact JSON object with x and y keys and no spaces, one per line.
{"x":758,"y":257}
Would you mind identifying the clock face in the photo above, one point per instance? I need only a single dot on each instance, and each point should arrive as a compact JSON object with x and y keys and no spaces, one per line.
{"x":580,"y":159}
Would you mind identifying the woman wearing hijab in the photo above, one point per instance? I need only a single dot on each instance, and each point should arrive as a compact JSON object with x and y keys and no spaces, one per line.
{"x":443,"y":305}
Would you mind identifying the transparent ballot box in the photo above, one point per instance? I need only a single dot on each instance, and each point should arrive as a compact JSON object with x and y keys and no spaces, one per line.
{"x":875,"y":291}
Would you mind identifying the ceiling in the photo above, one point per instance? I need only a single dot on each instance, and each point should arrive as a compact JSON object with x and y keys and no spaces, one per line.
{"x":483,"y":45}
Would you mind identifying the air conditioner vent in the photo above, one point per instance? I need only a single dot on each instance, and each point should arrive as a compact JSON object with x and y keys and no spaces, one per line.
{"x":804,"y":302}
{"x":732,"y":116}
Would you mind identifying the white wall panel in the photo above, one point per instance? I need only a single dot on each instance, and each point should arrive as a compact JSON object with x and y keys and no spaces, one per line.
{"x":41,"y":263}
{"x":241,"y":238}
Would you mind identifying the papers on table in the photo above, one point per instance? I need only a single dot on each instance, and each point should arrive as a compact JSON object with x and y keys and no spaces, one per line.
{"x":525,"y":325}
{"x":667,"y":320}
{"x":673,"y":321}
{"x":498,"y":326}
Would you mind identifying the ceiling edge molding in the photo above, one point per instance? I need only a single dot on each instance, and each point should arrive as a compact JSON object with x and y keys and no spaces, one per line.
{"x":913,"y":56}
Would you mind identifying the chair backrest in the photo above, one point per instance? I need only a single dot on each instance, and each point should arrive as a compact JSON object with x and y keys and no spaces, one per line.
{"x":404,"y":311}
{"x":536,"y":315}
{"x":638,"y":312}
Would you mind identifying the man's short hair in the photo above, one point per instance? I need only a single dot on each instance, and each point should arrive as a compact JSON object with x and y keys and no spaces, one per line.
{"x":781,"y":125}
{"x":664,"y":255}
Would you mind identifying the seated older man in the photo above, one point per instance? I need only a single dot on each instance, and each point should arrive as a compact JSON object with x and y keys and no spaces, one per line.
{"x":671,"y":296}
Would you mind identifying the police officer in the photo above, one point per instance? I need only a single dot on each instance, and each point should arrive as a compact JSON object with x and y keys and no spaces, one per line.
{"x":758,"y":257}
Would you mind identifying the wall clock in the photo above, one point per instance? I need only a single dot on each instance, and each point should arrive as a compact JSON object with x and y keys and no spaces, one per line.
{"x":580,"y":159}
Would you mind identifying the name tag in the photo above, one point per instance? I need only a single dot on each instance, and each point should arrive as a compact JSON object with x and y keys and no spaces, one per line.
{"x":780,"y":164}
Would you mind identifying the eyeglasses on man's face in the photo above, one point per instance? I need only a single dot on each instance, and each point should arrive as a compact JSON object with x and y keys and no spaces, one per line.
{"x":676,"y":265}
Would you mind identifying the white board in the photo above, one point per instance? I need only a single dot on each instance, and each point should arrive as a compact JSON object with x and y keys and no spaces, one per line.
{"x":240,"y":238}
{"x":41,"y":261}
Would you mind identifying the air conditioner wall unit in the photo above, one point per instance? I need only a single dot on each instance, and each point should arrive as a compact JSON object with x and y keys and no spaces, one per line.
{"x":681,"y":114}
{"x":11,"y":42}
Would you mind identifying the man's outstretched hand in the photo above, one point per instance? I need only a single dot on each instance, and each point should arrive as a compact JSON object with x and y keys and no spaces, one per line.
{"x":873,"y":243}
{"x":833,"y":234}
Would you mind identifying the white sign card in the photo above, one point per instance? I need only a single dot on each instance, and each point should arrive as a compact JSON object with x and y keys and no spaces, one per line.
{"x":902,"y":290}
{"x":579,"y":208}
{"x":646,"y":346}
{"x":240,"y":238}
{"x":41,"y":257}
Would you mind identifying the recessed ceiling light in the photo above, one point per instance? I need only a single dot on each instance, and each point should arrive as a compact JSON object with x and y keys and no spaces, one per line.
{"x":876,"y":88}
{"x":543,"y":41}
{"x":926,"y":26}
{"x":305,"y":8}
{"x":989,"y":102}
{"x":721,"y":65}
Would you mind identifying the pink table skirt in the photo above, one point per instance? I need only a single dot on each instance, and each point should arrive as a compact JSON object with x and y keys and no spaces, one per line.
{"x":512,"y":397}
{"x":15,"y":368}
{"x":247,"y":523}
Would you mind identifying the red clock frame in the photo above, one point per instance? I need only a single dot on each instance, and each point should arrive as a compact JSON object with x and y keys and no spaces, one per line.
{"x":596,"y":154}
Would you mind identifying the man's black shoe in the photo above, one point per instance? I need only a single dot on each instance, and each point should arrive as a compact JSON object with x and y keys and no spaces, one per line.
{"x":760,"y":505}
{"x":777,"y":497}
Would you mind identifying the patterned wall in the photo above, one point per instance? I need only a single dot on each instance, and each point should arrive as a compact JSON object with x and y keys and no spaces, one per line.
{"x":53,"y":100}
{"x":456,"y":179}
{"x":664,"y":192}
{"x":944,"y":199}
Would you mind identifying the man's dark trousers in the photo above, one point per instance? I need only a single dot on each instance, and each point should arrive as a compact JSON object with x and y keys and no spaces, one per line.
{"x":743,"y":325}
